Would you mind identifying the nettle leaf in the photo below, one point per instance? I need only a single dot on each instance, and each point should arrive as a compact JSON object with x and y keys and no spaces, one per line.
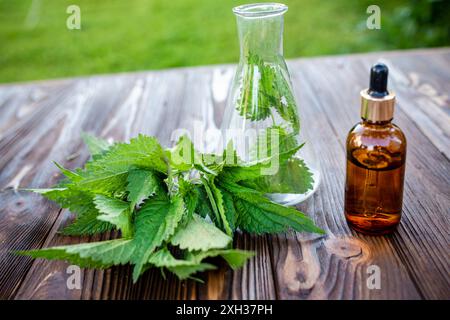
{"x":95,"y":145}
{"x":218,"y":198}
{"x":105,"y":181}
{"x":234,"y":257}
{"x":257,"y":214}
{"x":87,"y":224}
{"x":286,"y":106}
{"x":184,"y":156}
{"x":88,"y":255}
{"x":72,"y":176}
{"x":80,"y":203}
{"x":217,"y":205}
{"x":273,"y":149}
{"x":184,"y":269}
{"x":254,"y":219}
{"x":272,"y":141}
{"x":163,"y":258}
{"x":198,"y":234}
{"x":155,"y":223}
{"x":254,"y":101}
{"x":203,"y":207}
{"x":77,"y":201}
{"x":293,"y":176}
{"x":191,"y":196}
{"x":230,"y":210}
{"x":266,"y":167}
{"x":108,"y":173}
{"x":141,"y":185}
{"x":116,"y":212}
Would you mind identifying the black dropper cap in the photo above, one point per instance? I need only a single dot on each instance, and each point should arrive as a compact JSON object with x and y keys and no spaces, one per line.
{"x":378,"y":81}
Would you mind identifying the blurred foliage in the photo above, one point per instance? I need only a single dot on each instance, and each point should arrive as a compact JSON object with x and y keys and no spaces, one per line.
{"x":424,"y":23}
{"x":128,"y":35}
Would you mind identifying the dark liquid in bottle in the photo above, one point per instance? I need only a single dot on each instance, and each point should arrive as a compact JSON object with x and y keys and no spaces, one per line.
{"x":374,"y":190}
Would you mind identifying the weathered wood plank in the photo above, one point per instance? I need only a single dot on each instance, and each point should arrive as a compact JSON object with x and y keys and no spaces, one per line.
{"x":413,"y":261}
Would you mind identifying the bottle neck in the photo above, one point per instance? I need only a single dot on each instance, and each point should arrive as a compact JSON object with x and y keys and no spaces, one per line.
{"x":262,"y":36}
{"x":376,"y":123}
{"x":377,"y":110}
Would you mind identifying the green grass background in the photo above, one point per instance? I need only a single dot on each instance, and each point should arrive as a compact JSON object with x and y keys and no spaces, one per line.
{"x":128,"y":35}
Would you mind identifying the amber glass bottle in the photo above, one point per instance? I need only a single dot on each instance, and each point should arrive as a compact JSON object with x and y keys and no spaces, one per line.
{"x":376,"y":154}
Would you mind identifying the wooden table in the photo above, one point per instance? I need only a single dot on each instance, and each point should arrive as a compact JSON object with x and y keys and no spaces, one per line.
{"x":41,"y":122}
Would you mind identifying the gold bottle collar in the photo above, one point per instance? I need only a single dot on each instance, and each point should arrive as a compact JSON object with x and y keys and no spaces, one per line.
{"x":377,"y":109}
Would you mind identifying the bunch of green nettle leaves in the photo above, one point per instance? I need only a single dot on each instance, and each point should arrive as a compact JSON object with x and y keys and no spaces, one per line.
{"x":174,"y":207}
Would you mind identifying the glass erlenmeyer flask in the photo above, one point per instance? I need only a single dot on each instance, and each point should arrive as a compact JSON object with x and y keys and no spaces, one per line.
{"x":262,"y":108}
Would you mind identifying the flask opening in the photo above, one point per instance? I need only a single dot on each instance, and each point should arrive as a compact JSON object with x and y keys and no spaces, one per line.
{"x":258,"y":10}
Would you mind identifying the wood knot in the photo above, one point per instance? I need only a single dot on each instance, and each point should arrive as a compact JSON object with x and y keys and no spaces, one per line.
{"x":347,"y":248}
{"x":17,"y":206}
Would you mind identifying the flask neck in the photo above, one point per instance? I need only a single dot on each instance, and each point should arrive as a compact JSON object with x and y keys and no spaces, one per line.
{"x":260,"y":29}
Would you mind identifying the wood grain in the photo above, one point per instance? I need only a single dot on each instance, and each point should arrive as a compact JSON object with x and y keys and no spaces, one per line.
{"x":42,"y":121}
